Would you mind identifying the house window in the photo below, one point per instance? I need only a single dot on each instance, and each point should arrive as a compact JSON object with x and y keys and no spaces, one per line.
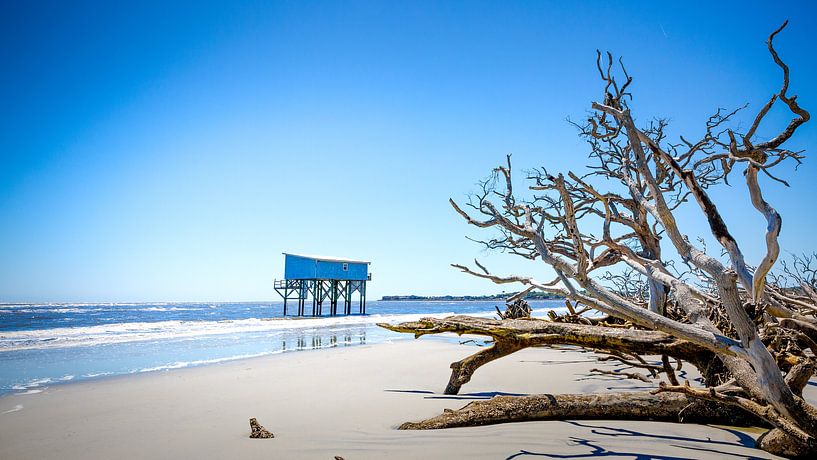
{"x":345,"y":267}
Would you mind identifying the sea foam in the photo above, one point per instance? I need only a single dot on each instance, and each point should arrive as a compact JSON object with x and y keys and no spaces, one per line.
{"x":177,"y":329}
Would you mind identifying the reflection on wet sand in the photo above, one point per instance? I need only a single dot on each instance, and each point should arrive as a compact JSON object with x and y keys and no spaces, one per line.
{"x":326,"y":339}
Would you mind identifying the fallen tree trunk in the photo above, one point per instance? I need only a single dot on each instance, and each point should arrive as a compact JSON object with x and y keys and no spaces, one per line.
{"x":512,"y":335}
{"x":534,"y":331}
{"x":667,"y":407}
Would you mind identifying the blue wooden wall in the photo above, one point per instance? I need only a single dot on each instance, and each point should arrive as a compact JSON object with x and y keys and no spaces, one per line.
{"x":300,"y":267}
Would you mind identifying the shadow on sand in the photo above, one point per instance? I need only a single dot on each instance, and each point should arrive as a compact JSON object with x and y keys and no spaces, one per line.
{"x":706,"y":445}
{"x":596,"y":450}
{"x":464,"y":396}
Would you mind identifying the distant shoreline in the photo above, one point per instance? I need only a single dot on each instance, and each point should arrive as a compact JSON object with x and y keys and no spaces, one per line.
{"x":469,"y":298}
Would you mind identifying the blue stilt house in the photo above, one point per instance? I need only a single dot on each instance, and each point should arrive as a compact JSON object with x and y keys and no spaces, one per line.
{"x":323,"y":278}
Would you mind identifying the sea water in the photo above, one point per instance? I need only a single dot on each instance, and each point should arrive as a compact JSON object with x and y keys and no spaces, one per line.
{"x":46,"y":344}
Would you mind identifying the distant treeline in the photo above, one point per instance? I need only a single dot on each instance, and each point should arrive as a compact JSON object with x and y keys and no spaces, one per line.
{"x":466,"y":298}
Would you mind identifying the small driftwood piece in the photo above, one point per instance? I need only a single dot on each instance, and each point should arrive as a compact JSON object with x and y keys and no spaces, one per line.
{"x":514,"y":309}
{"x":258,"y":431}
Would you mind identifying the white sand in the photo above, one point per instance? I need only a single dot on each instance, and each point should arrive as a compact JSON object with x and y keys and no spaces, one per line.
{"x":343,"y":401}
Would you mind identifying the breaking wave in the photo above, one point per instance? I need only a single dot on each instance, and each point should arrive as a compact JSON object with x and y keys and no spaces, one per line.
{"x":176,"y":329}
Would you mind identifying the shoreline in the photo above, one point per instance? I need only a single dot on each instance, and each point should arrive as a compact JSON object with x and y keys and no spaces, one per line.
{"x":73,"y":380}
{"x":45,"y":345}
{"x":341,"y":401}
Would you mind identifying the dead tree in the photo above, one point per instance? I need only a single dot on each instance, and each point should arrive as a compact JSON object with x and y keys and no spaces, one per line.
{"x":611,"y":236}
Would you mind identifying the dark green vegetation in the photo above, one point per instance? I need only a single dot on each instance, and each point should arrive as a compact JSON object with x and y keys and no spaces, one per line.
{"x":473,"y":298}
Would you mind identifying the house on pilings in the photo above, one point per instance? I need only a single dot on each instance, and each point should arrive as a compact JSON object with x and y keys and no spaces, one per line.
{"x":323,"y":278}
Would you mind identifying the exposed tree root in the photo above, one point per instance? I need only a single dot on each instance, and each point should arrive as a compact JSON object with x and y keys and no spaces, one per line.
{"x":789,"y":437}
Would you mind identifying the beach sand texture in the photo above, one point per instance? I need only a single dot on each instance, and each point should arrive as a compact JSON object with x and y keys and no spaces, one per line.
{"x":343,"y":401}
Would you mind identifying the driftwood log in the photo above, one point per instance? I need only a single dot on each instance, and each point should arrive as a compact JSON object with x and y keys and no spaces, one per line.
{"x":665,"y":407}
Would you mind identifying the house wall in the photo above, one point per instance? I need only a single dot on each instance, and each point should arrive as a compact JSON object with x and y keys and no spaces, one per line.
{"x":296,"y":267}
{"x":334,"y":270}
{"x":300,"y":268}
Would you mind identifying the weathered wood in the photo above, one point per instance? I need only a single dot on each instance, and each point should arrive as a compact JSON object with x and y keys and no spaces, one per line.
{"x":512,"y":335}
{"x":536,"y":331}
{"x":667,"y":407}
{"x":791,"y":431}
{"x":258,"y":431}
{"x":518,"y":308}
{"x":533,"y":332}
{"x":461,"y":371}
{"x":777,"y":442}
{"x":798,"y":377}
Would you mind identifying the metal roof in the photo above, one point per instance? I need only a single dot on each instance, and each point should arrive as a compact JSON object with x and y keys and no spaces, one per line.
{"x":327,"y":258}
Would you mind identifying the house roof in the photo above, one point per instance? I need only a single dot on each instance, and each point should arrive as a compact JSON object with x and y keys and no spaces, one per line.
{"x":328,"y":258}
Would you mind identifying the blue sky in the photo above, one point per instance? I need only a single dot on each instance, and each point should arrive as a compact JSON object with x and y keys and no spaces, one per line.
{"x":172,"y":152}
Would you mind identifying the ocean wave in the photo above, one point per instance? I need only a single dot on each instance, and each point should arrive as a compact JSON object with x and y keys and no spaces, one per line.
{"x":41,"y":310}
{"x":200,"y":362}
{"x":73,"y":305}
{"x":38,"y":385}
{"x":123,"y":304}
{"x":32,"y":384}
{"x":96,"y":374}
{"x":178,"y":329}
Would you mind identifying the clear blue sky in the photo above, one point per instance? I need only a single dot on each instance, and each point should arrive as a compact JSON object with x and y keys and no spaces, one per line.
{"x":172,"y":152}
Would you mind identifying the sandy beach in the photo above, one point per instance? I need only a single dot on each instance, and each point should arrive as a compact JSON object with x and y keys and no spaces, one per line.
{"x":342,"y":401}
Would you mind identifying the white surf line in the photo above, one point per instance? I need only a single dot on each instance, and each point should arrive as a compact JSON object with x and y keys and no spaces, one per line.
{"x":176,"y":329}
{"x":16,"y":408}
